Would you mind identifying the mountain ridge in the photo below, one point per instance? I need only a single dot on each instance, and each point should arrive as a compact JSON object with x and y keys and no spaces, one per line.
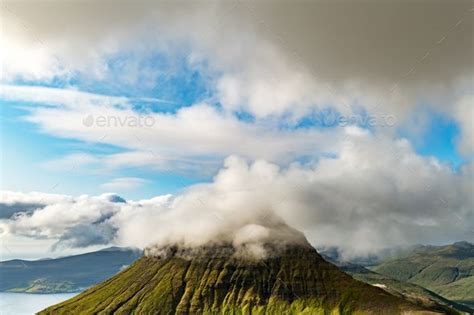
{"x":409,"y":291}
{"x":447,"y":270}
{"x":65,"y":274}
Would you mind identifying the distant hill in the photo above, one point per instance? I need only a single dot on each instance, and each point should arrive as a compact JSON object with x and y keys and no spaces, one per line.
{"x":446,"y":270}
{"x":214,"y":280}
{"x":66,"y":274}
{"x":412,"y":292}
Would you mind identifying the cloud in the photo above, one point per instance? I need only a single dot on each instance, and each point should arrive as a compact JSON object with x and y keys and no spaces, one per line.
{"x":124,"y":183}
{"x":108,"y":163}
{"x":464,"y":113}
{"x":360,"y":191}
{"x":258,"y":57}
{"x":158,"y":161}
{"x":197,"y":135}
{"x":268,"y":58}
{"x":68,"y":98}
{"x":376,"y":193}
{"x":85,"y":235}
{"x":17,"y":200}
{"x":71,"y":161}
{"x":7,"y":211}
{"x":62,"y":217}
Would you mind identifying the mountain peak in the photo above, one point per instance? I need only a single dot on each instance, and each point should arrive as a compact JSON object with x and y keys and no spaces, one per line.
{"x":211,"y":279}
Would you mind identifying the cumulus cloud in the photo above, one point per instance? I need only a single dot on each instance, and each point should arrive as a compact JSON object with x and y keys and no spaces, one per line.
{"x":375,"y":194}
{"x":63,"y":217}
{"x":372,"y":196}
{"x":17,"y":203}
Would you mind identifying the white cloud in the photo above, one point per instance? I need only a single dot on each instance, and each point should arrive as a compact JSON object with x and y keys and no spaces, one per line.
{"x":375,"y":194}
{"x":61,"y":217}
{"x":110,"y":163}
{"x":68,"y":98}
{"x":260,"y":59}
{"x":71,"y":162}
{"x":464,"y":113}
{"x":124,"y":183}
{"x":198,"y":132}
{"x":11,"y":197}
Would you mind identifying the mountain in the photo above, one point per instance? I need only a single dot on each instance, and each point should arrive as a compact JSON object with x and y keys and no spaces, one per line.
{"x":66,"y":274}
{"x":446,"y":270}
{"x":409,"y":291}
{"x":218,"y":279}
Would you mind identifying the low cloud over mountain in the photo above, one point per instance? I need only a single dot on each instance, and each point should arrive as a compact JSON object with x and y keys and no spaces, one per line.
{"x":375,"y":193}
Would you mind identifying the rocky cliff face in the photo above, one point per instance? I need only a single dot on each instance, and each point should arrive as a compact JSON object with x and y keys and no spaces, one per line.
{"x":214,"y":280}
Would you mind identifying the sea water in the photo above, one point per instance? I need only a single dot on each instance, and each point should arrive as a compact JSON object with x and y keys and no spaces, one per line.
{"x":28,"y":304}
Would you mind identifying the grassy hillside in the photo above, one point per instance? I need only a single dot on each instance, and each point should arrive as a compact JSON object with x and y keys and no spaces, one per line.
{"x":67,"y":274}
{"x":296,"y":281}
{"x":461,"y":291}
{"x":446,"y":270}
{"x":412,"y":292}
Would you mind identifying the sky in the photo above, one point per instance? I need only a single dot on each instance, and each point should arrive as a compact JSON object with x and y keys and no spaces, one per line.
{"x":350,"y":121}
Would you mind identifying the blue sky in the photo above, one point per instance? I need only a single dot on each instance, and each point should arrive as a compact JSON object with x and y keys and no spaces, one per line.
{"x":30,"y":148}
{"x":438,"y":139}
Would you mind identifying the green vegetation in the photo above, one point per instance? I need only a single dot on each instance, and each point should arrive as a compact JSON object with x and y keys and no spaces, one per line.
{"x":67,"y":274}
{"x":297,"y":281}
{"x":461,"y":291}
{"x":446,"y":270}
{"x":409,"y":291}
{"x":45,"y":286}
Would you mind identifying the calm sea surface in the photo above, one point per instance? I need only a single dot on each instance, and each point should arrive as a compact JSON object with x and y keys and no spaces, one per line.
{"x":27,"y":304}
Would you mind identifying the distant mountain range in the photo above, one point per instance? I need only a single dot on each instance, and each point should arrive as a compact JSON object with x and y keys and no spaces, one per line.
{"x":67,"y":274}
{"x":412,"y":292}
{"x":425,"y":275}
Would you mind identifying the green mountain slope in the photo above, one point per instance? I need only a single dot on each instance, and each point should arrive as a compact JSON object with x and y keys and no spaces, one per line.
{"x":212,"y":280}
{"x":67,"y":274}
{"x":409,"y":291}
{"x":446,"y":270}
{"x":461,"y":291}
